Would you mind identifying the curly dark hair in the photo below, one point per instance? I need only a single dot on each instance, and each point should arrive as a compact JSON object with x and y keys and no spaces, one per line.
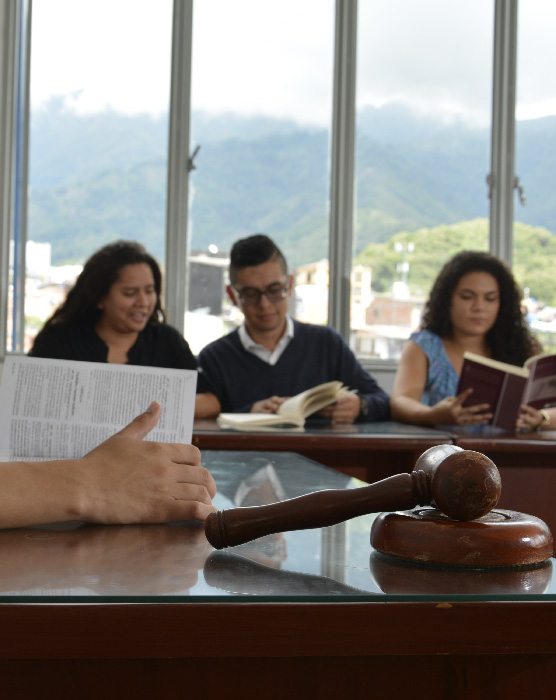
{"x":99,"y":273}
{"x":509,"y":339}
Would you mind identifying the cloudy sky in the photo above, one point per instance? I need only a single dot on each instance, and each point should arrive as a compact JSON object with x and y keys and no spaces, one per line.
{"x":275,"y":58}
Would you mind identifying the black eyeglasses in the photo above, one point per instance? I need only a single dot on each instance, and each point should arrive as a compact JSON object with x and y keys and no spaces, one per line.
{"x":250,"y":296}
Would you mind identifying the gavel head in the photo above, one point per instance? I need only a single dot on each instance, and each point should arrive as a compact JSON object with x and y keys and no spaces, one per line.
{"x":465,"y":485}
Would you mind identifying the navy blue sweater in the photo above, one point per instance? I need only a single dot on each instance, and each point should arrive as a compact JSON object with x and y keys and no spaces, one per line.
{"x":316,"y":354}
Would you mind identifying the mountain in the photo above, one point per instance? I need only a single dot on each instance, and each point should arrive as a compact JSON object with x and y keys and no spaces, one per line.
{"x":97,"y":178}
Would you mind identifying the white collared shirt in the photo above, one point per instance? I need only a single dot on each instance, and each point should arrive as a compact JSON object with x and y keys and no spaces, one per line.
{"x":264,"y":354}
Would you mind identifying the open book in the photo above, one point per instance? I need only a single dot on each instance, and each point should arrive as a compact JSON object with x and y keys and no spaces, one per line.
{"x":506,"y":387}
{"x":61,"y":409}
{"x":292,"y":412}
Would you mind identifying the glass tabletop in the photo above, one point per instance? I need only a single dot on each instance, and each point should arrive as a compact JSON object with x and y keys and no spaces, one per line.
{"x":76,"y":562}
{"x":318,"y":426}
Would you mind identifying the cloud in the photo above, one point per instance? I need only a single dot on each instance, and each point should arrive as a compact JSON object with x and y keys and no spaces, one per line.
{"x":276,"y":59}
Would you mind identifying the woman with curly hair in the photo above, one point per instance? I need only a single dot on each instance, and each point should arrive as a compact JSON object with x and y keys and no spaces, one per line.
{"x":114,"y":314}
{"x":474,"y":306}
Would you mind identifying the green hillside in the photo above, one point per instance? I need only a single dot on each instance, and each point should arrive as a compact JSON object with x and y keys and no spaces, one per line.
{"x":98,"y":178}
{"x":434,"y":246}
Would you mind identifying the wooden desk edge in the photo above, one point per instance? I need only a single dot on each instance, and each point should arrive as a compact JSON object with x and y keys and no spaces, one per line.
{"x":202,"y":630}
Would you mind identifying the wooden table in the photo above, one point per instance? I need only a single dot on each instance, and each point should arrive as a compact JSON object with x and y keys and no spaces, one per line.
{"x":373,"y":451}
{"x":368,"y":451}
{"x":153,"y":612}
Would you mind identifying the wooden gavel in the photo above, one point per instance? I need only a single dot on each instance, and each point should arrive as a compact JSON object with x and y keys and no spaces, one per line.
{"x":463,"y":484}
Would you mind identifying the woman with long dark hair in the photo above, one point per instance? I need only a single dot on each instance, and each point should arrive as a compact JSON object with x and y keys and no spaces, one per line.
{"x":114,"y":314}
{"x":474,"y":306}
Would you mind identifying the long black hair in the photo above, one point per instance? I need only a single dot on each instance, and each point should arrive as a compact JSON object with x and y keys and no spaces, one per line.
{"x":509,"y":339}
{"x":99,"y":273}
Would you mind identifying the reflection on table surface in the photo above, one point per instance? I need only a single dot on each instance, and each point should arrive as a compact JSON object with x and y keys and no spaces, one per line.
{"x":495,"y":434}
{"x":323,"y":427}
{"x":174,"y":561}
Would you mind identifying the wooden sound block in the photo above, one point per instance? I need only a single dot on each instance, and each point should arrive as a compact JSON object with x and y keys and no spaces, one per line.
{"x":396,"y":576}
{"x":500,"y":538}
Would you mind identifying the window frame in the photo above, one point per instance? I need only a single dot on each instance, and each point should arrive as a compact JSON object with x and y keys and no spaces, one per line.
{"x":15,"y":26}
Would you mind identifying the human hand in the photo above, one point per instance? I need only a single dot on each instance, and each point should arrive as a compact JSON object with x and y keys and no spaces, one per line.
{"x":450,"y":411}
{"x":344,"y":410}
{"x":528,"y":419}
{"x":128,"y":480}
{"x":270,"y":405}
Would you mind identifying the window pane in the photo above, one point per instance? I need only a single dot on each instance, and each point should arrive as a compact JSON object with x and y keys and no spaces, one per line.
{"x":424,"y":75}
{"x":261,"y":112}
{"x":100,"y":79}
{"x":535,"y":219}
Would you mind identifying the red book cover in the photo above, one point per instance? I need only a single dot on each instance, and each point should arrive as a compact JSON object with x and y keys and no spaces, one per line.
{"x":541,"y":390}
{"x":501,"y":390}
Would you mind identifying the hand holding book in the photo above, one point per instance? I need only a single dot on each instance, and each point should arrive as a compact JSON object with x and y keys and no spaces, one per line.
{"x":270,"y":405}
{"x":507,"y":388}
{"x":344,"y":410}
{"x":291,"y":412}
{"x":461,"y":410}
{"x":530,"y":419}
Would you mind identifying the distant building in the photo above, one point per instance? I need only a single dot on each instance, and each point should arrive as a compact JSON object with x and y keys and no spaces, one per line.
{"x":37,"y":259}
{"x":208,"y":274}
{"x":389,"y":311}
{"x":207,"y":315}
{"x":311,"y":293}
{"x":380,"y":325}
{"x":389,"y":323}
{"x":310,"y":299}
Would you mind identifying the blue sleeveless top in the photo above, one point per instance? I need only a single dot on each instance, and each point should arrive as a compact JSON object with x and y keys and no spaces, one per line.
{"x":442,"y":378}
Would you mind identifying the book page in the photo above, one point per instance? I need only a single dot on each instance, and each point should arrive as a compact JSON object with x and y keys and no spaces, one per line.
{"x":538,"y":358}
{"x":61,"y":409}
{"x":256,"y":421}
{"x":311,"y":400}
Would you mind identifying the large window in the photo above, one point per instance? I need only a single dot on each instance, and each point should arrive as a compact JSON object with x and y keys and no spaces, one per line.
{"x":535,"y":198}
{"x":261,"y":103}
{"x":99,"y":94}
{"x":422,"y":155}
{"x":264,"y":80}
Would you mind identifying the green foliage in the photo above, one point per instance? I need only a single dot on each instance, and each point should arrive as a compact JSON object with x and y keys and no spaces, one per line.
{"x":533,"y":261}
{"x":534,"y":255}
{"x":33,"y":323}
{"x":94,"y":179}
{"x":432,"y":248}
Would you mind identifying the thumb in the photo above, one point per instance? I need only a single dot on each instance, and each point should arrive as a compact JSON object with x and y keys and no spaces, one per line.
{"x":144,"y":423}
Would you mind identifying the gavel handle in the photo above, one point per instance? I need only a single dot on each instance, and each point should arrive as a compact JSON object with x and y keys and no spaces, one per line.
{"x":228,"y":528}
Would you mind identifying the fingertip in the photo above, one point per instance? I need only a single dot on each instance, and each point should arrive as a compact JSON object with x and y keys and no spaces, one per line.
{"x":142,"y":424}
{"x":154,"y":407}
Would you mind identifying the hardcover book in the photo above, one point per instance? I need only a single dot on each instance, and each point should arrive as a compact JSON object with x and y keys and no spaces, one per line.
{"x":506,"y":387}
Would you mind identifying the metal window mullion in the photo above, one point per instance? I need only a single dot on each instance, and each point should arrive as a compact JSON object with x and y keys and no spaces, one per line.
{"x":21,"y":172}
{"x":177,"y":204}
{"x":8,"y":67}
{"x":503,"y":130}
{"x":342,"y":164}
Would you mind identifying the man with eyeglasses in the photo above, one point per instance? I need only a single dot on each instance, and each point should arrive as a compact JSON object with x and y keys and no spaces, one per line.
{"x":271,"y":356}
